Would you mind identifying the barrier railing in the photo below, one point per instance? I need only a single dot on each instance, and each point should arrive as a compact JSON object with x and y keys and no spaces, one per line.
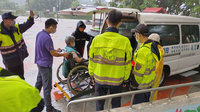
{"x":132,"y":94}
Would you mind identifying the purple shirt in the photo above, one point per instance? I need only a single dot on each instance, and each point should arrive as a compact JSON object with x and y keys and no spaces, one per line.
{"x":43,"y":46}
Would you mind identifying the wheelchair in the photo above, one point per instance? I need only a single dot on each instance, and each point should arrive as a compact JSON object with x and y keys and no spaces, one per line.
{"x":78,"y":79}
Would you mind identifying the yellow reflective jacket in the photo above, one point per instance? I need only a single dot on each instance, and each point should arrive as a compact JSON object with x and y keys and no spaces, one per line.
{"x":17,"y":95}
{"x":13,"y":53}
{"x":110,"y":58}
{"x":144,"y":69}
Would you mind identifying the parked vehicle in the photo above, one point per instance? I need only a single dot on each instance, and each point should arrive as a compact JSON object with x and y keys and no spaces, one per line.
{"x":179,"y":36}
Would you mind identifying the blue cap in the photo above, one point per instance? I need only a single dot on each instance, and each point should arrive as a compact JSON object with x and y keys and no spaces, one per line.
{"x":8,"y":15}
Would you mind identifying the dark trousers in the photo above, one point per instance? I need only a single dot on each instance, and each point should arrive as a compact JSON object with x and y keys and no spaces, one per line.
{"x":18,"y":70}
{"x":44,"y":79}
{"x":101,"y":90}
{"x":141,"y":98}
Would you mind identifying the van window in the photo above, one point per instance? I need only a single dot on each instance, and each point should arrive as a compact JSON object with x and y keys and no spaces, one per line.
{"x":169,"y":34}
{"x":126,"y":27}
{"x":190,"y":33}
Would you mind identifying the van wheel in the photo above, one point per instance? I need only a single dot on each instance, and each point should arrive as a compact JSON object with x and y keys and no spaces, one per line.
{"x":165,"y":75}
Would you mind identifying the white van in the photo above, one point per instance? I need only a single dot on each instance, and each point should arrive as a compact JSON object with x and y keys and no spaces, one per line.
{"x":179,"y":36}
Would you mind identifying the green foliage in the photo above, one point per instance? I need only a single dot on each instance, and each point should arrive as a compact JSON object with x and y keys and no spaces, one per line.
{"x":42,"y":5}
{"x":75,"y":4}
{"x":99,"y":3}
{"x":113,"y":4}
{"x":198,"y":108}
{"x":6,"y":4}
{"x":179,"y":7}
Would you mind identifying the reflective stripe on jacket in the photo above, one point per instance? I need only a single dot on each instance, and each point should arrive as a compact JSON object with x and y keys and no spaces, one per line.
{"x":17,"y":95}
{"x":144,"y":69}
{"x":110,"y":58}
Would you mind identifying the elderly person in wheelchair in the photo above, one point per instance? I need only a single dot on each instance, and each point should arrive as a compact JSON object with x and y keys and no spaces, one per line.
{"x":74,"y":69}
{"x":75,"y":56}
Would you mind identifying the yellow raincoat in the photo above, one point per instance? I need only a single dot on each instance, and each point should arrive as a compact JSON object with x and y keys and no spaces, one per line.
{"x":159,"y":69}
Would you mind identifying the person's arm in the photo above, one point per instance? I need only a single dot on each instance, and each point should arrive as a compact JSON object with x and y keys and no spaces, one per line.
{"x":141,"y":64}
{"x":26,"y":25}
{"x":49,"y":46}
{"x":57,"y":54}
{"x":128,"y":60}
{"x":76,"y":58}
{"x":88,"y":36}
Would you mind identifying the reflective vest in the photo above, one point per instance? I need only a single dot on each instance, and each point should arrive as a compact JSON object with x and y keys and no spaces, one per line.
{"x":110,"y":58}
{"x":17,"y":95}
{"x":144,"y":69}
{"x":12,"y":53}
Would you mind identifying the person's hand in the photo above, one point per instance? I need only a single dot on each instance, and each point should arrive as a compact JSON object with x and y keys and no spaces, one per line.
{"x":124,"y":85}
{"x":31,"y":13}
{"x":93,"y":81}
{"x":66,"y":54}
{"x":59,"y":50}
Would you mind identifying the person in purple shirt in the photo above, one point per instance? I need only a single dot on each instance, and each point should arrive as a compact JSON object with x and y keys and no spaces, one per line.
{"x":44,"y":52}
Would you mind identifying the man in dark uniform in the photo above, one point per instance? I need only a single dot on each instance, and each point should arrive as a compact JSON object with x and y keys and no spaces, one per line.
{"x":80,"y":37}
{"x":12,"y":45}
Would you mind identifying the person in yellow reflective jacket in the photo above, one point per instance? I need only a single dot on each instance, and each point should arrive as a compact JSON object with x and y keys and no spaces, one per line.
{"x":12,"y":45}
{"x":17,"y":95}
{"x":145,"y":61}
{"x":159,"y":65}
{"x":110,"y":60}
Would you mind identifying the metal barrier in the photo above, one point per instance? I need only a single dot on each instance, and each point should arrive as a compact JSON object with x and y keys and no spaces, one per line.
{"x":132,"y":94}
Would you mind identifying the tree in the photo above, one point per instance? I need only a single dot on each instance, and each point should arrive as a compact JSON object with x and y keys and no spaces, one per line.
{"x":6,"y":4}
{"x":65,"y":4}
{"x":75,"y":4}
{"x":192,"y":8}
{"x":139,"y":4}
{"x":42,"y":5}
{"x":171,"y":6}
{"x":99,"y":3}
{"x":178,"y":7}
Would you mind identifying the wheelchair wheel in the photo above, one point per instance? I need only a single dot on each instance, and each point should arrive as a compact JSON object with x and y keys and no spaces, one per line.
{"x":59,"y":74}
{"x":78,"y":79}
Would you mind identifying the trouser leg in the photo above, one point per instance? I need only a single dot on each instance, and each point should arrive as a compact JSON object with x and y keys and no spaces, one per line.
{"x":100,"y":91}
{"x":46,"y":74}
{"x":38,"y":84}
{"x":116,"y":102}
{"x":141,"y":98}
